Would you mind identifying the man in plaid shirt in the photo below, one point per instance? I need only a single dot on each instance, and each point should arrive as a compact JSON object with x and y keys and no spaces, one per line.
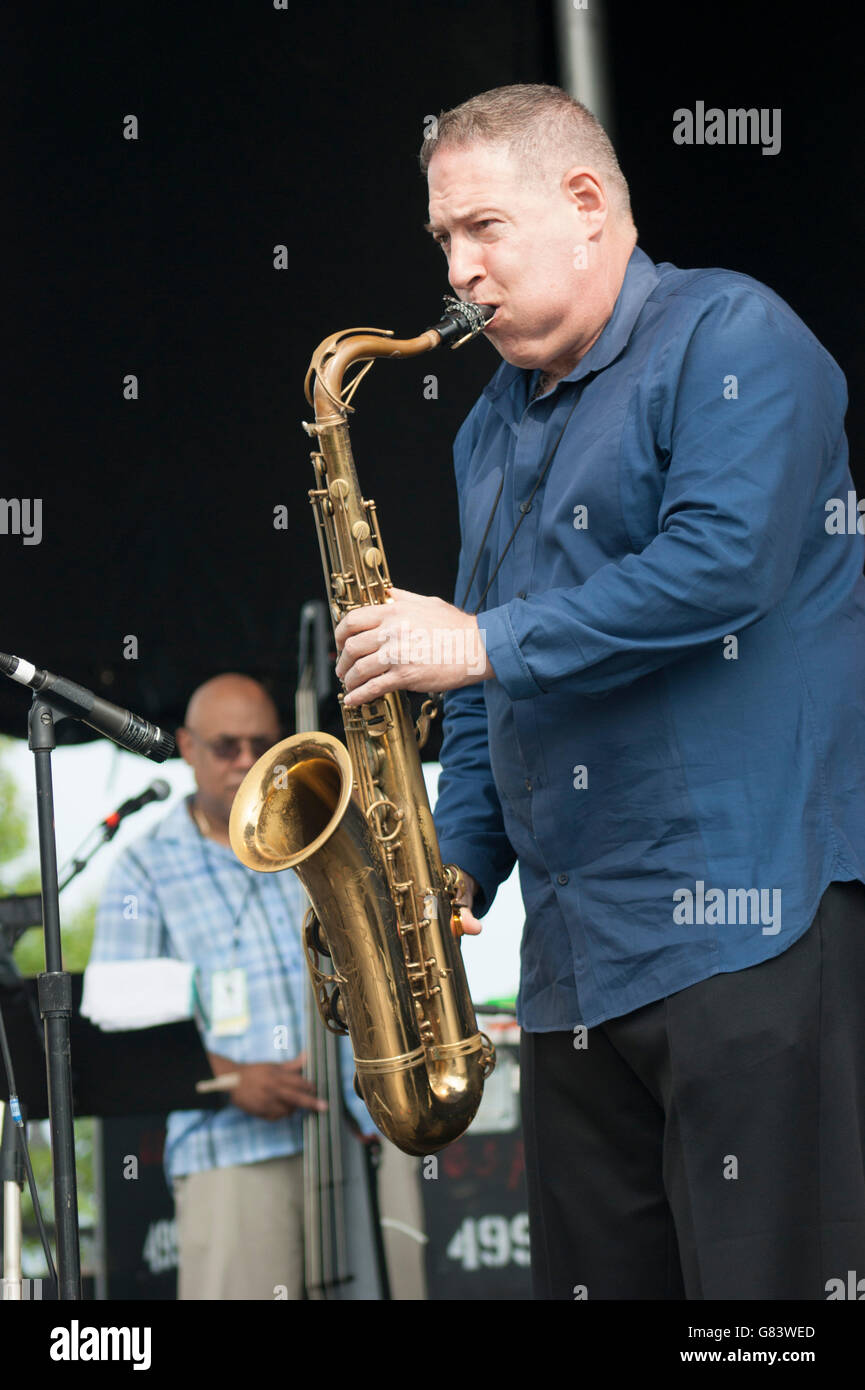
{"x":180,"y":892}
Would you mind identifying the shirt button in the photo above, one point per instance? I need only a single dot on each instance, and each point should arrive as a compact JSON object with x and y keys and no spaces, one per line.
{"x":528,"y":785}
{"x":525,"y":507}
{"x":521,"y":594}
{"x":562,"y":879}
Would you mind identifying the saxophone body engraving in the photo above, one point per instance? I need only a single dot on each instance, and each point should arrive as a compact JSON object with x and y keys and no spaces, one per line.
{"x":354,"y":821}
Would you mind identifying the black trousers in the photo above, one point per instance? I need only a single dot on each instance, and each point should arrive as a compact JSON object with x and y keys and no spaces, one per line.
{"x":710,"y":1145}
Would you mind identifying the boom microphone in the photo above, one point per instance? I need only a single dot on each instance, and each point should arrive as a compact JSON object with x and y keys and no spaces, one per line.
{"x":157,"y":791}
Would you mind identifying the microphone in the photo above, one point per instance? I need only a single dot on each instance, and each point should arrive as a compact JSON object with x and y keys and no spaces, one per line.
{"x":121,"y":725}
{"x":157,"y":791}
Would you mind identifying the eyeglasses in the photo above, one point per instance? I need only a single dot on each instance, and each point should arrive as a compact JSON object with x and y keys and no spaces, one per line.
{"x":227,"y":746}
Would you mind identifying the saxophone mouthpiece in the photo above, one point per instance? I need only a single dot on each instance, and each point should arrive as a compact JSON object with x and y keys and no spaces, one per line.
{"x":462,"y":321}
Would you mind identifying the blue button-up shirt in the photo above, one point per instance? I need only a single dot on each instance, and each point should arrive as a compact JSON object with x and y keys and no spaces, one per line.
{"x":673,"y":746}
{"x":175,"y":894}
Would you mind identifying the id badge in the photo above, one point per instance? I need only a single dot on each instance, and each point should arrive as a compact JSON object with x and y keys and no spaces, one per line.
{"x":229,"y":1005}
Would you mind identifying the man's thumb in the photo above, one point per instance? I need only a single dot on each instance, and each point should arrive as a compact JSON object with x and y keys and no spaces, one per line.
{"x":469,"y":923}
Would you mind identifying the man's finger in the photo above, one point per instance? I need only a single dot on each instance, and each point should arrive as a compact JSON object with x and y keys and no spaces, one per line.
{"x":469,"y":923}
{"x":303,"y":1095}
{"x":295,"y":1063}
{"x":290,"y":1084}
{"x":359,"y":646}
{"x":373,"y":690}
{"x":366,"y":669}
{"x":358,"y":620}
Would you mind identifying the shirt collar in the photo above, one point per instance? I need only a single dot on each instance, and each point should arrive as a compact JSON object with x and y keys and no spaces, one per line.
{"x":641,"y":276}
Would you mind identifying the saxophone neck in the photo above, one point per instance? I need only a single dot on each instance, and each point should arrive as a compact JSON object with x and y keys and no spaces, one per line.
{"x":325,"y":388}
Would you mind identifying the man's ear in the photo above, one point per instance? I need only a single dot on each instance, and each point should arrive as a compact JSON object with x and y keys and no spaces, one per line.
{"x":184,"y":745}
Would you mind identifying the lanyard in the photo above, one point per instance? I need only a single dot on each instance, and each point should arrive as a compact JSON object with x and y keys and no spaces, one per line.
{"x":525,"y":508}
{"x":253,"y":889}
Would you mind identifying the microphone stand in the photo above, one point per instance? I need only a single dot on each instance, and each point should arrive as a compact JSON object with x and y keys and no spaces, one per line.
{"x":55,"y":1007}
{"x":62,"y":698}
{"x":78,"y":864}
{"x":15,"y":919}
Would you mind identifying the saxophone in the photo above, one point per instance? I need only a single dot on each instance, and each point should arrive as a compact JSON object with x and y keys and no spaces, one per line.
{"x":354,"y":823}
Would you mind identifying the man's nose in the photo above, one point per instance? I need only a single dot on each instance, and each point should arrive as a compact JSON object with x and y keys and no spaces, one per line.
{"x":246,"y":754}
{"x":465,"y":266}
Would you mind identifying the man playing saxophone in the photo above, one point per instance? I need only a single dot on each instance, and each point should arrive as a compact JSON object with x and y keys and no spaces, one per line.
{"x":665,"y":730}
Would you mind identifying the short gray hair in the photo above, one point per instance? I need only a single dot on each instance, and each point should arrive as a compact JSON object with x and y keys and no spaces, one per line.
{"x":541,"y":126}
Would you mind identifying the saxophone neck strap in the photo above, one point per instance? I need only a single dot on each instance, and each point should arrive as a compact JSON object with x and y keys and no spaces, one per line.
{"x":525,"y":508}
{"x":434,"y":702}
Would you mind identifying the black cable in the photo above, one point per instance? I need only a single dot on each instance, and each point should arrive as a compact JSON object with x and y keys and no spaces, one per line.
{"x":483,"y":542}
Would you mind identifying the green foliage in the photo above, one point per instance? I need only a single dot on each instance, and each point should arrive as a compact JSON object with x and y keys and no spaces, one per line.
{"x":13,"y":831}
{"x":77,"y":927}
{"x":77,"y":939}
{"x":32,"y":1255}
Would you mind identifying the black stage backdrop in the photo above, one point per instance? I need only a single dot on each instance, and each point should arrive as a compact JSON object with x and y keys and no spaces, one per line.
{"x":260,"y":127}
